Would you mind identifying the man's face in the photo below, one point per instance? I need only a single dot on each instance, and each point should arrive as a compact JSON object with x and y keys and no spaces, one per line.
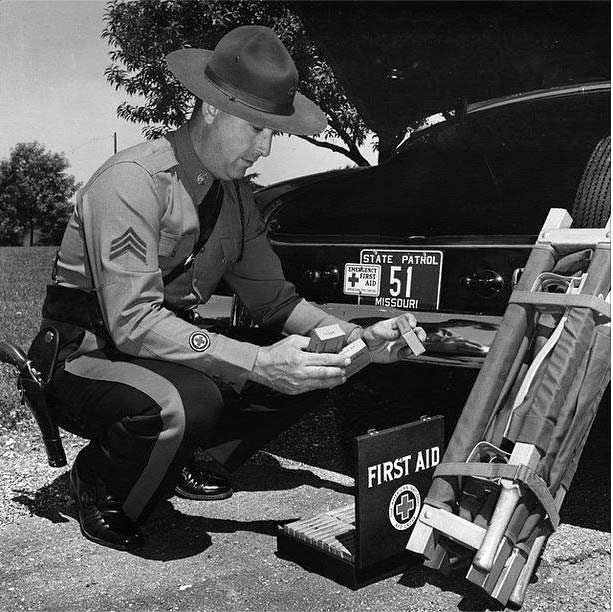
{"x":234,"y":145}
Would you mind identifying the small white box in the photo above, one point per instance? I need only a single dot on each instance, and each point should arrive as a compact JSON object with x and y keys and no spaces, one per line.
{"x":403,"y":326}
{"x":357,"y":351}
{"x":414,"y":343}
{"x":328,"y":339}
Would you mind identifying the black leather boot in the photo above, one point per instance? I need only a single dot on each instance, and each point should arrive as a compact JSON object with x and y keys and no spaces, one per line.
{"x":101,"y":516}
{"x":195,"y":483}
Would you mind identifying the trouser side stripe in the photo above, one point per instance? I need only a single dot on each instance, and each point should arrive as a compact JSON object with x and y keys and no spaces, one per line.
{"x":163,"y":393}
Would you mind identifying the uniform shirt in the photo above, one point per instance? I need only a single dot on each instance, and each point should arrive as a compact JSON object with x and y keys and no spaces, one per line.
{"x":134,"y":221}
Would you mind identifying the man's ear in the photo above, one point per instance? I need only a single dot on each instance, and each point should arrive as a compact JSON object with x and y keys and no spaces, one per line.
{"x":209,"y":112}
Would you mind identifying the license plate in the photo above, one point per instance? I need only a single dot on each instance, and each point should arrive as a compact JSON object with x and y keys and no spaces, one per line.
{"x":407,"y":279}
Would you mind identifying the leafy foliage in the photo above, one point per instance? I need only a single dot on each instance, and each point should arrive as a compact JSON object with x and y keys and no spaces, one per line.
{"x":34,"y":194}
{"x":24,"y":274}
{"x":142,"y":33}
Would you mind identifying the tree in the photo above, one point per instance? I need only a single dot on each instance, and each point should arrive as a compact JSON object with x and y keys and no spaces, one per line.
{"x":374,"y":67}
{"x":142,"y":33}
{"x":399,"y":62}
{"x":34,"y":194}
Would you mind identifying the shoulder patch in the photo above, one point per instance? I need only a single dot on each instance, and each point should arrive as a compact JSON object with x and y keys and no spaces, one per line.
{"x":199,"y":341}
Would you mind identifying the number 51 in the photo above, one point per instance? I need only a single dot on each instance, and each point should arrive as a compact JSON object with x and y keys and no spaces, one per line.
{"x":396,"y":282}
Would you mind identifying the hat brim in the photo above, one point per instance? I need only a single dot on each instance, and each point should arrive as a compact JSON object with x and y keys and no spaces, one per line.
{"x":187,"y":65}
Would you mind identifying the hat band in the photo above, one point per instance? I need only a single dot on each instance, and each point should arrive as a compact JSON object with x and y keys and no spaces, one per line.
{"x":244,"y":97}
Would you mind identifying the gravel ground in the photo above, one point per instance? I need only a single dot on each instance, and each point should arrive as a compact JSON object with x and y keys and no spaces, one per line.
{"x":221,"y":555}
{"x":25,"y":474}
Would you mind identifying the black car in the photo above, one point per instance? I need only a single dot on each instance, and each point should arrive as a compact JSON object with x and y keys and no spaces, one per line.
{"x":444,"y":228}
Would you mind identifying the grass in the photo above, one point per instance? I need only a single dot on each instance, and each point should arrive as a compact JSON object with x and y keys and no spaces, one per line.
{"x":24,"y":273}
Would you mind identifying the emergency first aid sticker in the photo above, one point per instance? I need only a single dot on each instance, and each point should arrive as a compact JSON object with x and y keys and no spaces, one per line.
{"x":362,"y":279}
{"x":199,"y":341}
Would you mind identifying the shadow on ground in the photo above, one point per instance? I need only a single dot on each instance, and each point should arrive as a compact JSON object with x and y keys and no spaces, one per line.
{"x":267,"y":474}
{"x":52,"y":502}
{"x":473,"y":598}
{"x":171,"y":534}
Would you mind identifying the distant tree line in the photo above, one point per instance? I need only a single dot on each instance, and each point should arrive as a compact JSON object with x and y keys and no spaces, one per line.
{"x":35,"y":193}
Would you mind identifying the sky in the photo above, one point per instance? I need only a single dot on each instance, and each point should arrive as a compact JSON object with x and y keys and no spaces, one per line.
{"x":53,"y":90}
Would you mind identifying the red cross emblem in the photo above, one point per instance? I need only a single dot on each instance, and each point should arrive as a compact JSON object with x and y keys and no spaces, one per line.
{"x":404,"y":507}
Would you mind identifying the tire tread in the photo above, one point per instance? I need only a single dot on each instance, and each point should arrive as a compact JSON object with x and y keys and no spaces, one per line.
{"x":592,"y":205}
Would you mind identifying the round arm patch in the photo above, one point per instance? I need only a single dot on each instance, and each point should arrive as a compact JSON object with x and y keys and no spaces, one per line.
{"x":199,"y":341}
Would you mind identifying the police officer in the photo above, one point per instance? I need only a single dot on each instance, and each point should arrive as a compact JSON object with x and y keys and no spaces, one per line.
{"x":153,"y":232}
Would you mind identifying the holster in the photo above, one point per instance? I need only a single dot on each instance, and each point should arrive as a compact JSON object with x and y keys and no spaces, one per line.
{"x":67,"y":314}
{"x":32,"y":381}
{"x":52,"y":345}
{"x":43,"y":352}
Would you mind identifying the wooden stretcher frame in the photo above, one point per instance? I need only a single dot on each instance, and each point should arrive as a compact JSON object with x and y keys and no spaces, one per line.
{"x":500,"y":568}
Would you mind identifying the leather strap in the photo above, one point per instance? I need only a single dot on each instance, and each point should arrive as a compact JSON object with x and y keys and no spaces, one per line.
{"x":208,"y":214}
{"x":562,"y":301}
{"x":520,"y":473}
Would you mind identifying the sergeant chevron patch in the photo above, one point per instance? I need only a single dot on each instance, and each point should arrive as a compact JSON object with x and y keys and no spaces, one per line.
{"x":129,"y":242}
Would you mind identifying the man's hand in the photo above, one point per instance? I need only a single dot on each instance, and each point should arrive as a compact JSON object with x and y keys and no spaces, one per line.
{"x":384,"y":340}
{"x":285,"y":367}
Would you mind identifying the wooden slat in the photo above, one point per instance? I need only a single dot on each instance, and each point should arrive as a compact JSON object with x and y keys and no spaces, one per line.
{"x":487,"y":580}
{"x":421,"y":540}
{"x":509,"y":576}
{"x":439,"y":560}
{"x":455,"y":528}
{"x":346,"y":513}
{"x":332,"y":532}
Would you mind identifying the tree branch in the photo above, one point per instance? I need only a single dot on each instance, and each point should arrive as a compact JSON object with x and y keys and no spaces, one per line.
{"x":358,"y":159}
{"x":354,"y":152}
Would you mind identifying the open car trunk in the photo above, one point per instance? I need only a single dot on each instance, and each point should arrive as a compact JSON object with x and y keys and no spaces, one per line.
{"x":445,"y":227}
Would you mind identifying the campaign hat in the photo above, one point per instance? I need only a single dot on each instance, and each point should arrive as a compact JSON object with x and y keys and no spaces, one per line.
{"x":250,"y":75}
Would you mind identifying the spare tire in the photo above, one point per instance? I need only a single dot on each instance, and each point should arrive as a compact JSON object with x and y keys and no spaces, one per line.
{"x":592,"y":206}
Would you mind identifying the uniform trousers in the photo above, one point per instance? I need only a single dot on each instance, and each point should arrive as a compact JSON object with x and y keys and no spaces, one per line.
{"x":145,"y":417}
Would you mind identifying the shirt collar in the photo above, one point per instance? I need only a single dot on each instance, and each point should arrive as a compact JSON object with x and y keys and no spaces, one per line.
{"x":197,"y":177}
